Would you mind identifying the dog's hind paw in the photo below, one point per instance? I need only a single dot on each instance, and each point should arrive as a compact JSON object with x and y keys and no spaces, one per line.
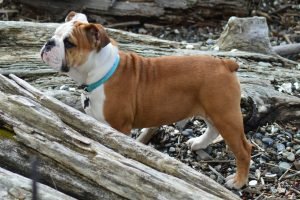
{"x":233,"y":183}
{"x":196,"y":143}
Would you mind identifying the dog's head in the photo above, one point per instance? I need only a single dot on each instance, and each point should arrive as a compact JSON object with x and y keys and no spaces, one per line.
{"x":73,"y":42}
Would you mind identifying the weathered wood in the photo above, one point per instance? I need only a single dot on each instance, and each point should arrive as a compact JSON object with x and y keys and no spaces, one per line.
{"x":288,"y":49}
{"x":160,"y":9}
{"x":16,"y":157}
{"x":178,"y":4}
{"x":267,"y":104}
{"x":14,"y":186}
{"x":112,"y":171}
{"x":246,"y":34}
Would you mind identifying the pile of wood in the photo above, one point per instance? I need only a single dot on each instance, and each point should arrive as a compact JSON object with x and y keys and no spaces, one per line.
{"x":176,"y":11}
{"x":88,"y":160}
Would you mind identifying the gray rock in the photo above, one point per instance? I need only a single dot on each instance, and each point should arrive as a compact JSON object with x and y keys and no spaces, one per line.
{"x":277,"y":170}
{"x":297,"y":152}
{"x":289,"y":156}
{"x":202,"y":155}
{"x":265,"y":64}
{"x":258,"y":135}
{"x":212,"y":176}
{"x":297,"y":164}
{"x":284,"y":166}
{"x":210,"y":42}
{"x":172,"y":149}
{"x":296,"y":147}
{"x":280,"y":147}
{"x":252,"y":183}
{"x":268,"y":141}
{"x":187,"y":132}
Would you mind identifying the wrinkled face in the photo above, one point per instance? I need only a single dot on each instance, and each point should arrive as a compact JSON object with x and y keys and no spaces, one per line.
{"x":72,"y":43}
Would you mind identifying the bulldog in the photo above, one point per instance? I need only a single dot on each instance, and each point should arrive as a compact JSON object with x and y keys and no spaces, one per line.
{"x":125,"y":90}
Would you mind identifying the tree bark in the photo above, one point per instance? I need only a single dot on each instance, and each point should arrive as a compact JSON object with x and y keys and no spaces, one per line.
{"x":288,"y":49}
{"x":246,"y":34}
{"x":17,"y":158}
{"x":14,"y":186}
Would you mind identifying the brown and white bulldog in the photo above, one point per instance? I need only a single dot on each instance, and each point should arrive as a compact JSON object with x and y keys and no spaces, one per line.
{"x":128,"y":91}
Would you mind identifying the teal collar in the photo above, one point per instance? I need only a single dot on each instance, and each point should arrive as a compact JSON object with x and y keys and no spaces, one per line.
{"x":91,"y":87}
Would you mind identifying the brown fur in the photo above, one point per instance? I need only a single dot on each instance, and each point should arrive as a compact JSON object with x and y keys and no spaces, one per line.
{"x":92,"y":37}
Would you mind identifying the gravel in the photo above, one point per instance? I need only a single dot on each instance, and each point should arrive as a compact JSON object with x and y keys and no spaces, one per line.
{"x":275,"y":158}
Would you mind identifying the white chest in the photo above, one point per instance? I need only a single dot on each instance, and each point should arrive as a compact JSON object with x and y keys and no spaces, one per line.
{"x":93,"y":103}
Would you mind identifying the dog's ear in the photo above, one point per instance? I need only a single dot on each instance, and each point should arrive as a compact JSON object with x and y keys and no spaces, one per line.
{"x":73,"y":16}
{"x":70,"y":16}
{"x":97,"y":36}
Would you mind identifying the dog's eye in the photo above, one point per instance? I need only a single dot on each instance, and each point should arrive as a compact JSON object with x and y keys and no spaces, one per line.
{"x":68,"y":44}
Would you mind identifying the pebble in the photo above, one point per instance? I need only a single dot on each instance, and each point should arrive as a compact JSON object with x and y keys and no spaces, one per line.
{"x":187,"y":132}
{"x":274,"y":129}
{"x":258,"y":135}
{"x":72,"y":89}
{"x":189,"y":46}
{"x":284,"y":166}
{"x":212,"y":176}
{"x":297,"y":152}
{"x":202,"y":155}
{"x":273,"y":190}
{"x":172,"y":149}
{"x":280,"y":147}
{"x":210,"y":42}
{"x":268,"y":141}
{"x":296,"y":147}
{"x":270,"y":175}
{"x":265,"y":64}
{"x":252,"y":183}
{"x":176,"y":31}
{"x":289,"y":156}
{"x":297,"y":164}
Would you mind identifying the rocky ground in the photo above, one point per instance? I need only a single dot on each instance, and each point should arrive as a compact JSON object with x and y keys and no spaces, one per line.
{"x":275,"y":170}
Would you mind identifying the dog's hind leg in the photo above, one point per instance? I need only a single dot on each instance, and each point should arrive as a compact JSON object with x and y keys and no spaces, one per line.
{"x":230,"y":126}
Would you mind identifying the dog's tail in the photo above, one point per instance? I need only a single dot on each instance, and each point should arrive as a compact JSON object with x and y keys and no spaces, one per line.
{"x":231,"y":65}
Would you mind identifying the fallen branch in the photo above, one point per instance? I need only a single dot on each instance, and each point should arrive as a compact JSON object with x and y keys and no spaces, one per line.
{"x":287,"y":49}
{"x":14,"y":186}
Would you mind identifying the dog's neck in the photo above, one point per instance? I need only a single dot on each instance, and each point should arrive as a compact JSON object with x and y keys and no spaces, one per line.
{"x":96,"y":67}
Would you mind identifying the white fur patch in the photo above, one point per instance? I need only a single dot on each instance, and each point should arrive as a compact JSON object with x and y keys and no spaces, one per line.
{"x":96,"y":103}
{"x":204,"y":140}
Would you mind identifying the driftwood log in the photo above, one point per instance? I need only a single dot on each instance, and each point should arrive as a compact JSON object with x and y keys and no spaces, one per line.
{"x":246,"y":34}
{"x":14,"y":186}
{"x":167,"y":11}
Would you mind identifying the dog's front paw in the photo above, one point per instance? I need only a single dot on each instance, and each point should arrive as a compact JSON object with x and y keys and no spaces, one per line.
{"x":196,"y":144}
{"x":233,"y":182}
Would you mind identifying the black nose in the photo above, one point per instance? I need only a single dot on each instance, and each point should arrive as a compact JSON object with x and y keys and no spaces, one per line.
{"x":50,"y":43}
